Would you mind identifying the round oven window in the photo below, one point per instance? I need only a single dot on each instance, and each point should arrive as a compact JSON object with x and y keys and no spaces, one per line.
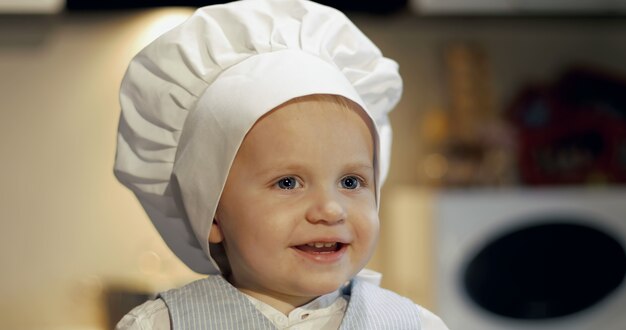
{"x":544,"y":271}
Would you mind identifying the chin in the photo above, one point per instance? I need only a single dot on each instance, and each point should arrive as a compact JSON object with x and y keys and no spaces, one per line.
{"x":324,"y":286}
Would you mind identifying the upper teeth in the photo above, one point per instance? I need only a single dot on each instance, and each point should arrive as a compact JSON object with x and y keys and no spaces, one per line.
{"x":321,"y":244}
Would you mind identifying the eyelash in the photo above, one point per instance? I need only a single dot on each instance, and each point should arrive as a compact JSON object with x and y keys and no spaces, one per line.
{"x":360,"y":182}
{"x":283,"y":180}
{"x":290,"y":182}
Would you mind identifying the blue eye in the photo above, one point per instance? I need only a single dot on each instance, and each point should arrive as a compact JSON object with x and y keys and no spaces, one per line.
{"x":350,"y":182}
{"x":287,"y":183}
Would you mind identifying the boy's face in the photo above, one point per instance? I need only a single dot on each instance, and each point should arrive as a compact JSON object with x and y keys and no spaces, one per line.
{"x":298,"y":214}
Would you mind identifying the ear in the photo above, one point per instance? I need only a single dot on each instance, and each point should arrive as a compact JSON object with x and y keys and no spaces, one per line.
{"x":216,"y":236}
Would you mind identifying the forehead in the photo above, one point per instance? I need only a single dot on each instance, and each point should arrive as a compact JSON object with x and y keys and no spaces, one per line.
{"x":325,"y":110}
{"x":319,"y":122}
{"x":316,"y":114}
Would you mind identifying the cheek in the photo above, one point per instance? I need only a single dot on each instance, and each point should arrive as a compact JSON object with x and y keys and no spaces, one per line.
{"x":257,"y":224}
{"x":367,"y":226}
{"x":374,"y":228}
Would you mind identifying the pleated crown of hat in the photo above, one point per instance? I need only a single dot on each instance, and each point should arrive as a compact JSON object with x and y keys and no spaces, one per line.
{"x":189,"y":98}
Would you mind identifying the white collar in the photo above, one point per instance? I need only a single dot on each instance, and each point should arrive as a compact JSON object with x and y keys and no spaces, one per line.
{"x":323,"y":307}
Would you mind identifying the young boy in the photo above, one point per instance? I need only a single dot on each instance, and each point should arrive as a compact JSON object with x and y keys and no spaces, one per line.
{"x":256,"y":137}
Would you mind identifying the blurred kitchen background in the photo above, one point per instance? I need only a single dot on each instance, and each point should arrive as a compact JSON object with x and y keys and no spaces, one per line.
{"x":504,"y":207}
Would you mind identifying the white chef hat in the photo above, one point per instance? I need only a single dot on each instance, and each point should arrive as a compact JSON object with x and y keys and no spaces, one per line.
{"x":189,"y":98}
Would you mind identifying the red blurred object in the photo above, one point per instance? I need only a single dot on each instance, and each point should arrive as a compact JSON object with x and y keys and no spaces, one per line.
{"x":573,"y":132}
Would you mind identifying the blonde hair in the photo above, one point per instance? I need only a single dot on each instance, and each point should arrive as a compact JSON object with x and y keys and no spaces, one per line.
{"x":338,"y":101}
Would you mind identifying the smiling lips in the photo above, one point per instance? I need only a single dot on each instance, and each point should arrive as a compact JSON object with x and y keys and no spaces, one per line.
{"x":320,"y":247}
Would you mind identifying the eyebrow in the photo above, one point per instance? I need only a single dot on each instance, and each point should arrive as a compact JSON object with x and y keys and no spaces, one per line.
{"x":297,"y":167}
{"x":271,"y":170}
{"x":360,"y":166}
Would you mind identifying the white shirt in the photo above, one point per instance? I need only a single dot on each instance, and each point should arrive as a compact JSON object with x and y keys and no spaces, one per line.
{"x":324,"y":312}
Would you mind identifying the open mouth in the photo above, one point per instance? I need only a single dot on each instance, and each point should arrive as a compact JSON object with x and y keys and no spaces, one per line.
{"x":320,"y":247}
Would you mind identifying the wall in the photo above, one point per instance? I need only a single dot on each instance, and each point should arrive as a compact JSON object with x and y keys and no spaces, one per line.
{"x":68,"y":229}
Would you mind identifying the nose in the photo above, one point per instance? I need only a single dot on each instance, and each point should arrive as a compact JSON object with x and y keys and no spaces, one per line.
{"x":326,"y":208}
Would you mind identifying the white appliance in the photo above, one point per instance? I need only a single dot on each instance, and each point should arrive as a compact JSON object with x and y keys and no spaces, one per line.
{"x":31,"y":6}
{"x":540,"y":259}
